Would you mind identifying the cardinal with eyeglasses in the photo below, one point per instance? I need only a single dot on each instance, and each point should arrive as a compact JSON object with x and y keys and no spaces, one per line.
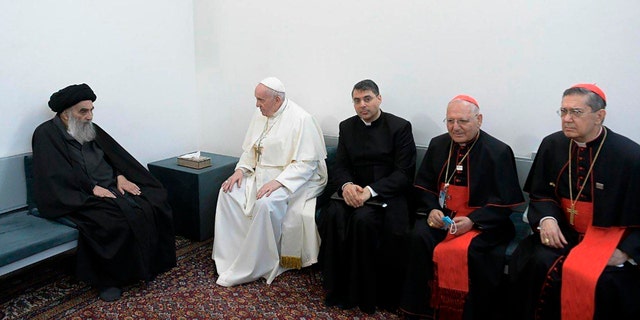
{"x":581,"y":260}
{"x":465,"y":190}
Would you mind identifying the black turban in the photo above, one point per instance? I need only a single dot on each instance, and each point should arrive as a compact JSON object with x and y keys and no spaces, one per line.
{"x":69,"y":96}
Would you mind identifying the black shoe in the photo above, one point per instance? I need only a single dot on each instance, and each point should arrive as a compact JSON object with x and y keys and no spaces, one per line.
{"x":110,"y":294}
{"x":389,"y":308}
{"x":346,"y":305}
{"x":368,"y":309}
{"x":331,"y":300}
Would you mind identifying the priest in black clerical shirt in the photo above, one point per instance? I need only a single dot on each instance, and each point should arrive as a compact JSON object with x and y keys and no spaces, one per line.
{"x":584,"y":185}
{"x":362,"y":241}
{"x":80,"y":172}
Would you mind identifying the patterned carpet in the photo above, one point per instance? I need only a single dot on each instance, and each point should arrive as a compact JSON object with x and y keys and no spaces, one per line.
{"x":50,"y":291}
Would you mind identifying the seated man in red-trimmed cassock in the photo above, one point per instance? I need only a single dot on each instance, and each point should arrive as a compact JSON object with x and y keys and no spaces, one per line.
{"x":121,"y":212}
{"x":584,"y":185}
{"x":470,"y":177}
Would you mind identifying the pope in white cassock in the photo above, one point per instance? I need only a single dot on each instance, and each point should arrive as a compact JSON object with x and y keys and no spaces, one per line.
{"x":264,"y":223}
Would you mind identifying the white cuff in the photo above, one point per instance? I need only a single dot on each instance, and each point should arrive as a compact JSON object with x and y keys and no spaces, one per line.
{"x":545,"y":218}
{"x":373,"y":193}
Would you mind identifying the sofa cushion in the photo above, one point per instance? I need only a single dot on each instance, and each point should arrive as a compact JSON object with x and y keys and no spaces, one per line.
{"x":23,"y":235}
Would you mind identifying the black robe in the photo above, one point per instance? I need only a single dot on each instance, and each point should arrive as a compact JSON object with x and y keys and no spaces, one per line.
{"x":489,"y":171}
{"x":121,"y":240}
{"x":362,"y":248}
{"x":614,"y":189}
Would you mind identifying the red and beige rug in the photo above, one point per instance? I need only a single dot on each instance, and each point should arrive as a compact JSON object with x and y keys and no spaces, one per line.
{"x":188,"y":291}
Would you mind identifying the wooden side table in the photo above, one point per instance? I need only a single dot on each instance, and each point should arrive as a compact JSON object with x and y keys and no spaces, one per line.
{"x":193,"y":193}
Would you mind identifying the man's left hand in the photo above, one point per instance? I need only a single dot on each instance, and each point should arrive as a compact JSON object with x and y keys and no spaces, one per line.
{"x":268,"y":188}
{"x":464,"y":224}
{"x":128,"y":186}
{"x":617,"y":258}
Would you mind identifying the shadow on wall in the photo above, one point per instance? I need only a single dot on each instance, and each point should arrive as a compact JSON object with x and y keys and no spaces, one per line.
{"x":425,"y":127}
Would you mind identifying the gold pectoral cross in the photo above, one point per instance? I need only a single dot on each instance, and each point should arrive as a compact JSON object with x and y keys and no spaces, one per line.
{"x":258,"y":150}
{"x":572,"y":213}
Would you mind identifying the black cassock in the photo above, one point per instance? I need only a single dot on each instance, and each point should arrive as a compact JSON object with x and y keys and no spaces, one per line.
{"x":614,"y":189}
{"x":121,"y":240}
{"x":362,"y":249}
{"x":490,"y":174}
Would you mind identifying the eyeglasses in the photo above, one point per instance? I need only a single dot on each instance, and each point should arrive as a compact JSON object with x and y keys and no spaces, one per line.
{"x":461,"y":122}
{"x":574,"y":113}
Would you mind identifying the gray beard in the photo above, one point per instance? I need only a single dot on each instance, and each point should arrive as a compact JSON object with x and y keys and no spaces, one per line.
{"x":82,"y":131}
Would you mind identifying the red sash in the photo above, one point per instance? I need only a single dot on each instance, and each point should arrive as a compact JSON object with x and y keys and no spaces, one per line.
{"x":451,"y":278}
{"x":585,"y":262}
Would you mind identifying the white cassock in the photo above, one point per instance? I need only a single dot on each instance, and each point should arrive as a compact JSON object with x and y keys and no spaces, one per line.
{"x":262,"y":238}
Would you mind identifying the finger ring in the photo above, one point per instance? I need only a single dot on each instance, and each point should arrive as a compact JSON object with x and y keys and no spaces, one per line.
{"x":430,"y":224}
{"x":546,"y":240}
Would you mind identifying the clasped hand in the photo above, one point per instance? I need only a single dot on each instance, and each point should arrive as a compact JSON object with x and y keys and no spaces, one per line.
{"x":355,"y":195}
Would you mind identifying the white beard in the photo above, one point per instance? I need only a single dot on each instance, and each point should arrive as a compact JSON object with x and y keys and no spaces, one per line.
{"x":82,"y":131}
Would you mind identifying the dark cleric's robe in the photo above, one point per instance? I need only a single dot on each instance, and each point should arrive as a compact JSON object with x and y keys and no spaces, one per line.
{"x":121,"y":240}
{"x":489,"y":173}
{"x":362,"y":248}
{"x":614,"y":190}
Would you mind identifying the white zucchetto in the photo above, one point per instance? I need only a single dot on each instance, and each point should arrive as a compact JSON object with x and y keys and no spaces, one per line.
{"x":273,"y":83}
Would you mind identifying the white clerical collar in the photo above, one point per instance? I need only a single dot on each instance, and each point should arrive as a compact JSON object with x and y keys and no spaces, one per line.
{"x":281,"y":109}
{"x":369,"y":123}
{"x":584,"y":144}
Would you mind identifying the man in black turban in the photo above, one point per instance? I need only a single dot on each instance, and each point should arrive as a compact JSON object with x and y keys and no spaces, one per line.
{"x":125,"y":222}
{"x":69,"y":96}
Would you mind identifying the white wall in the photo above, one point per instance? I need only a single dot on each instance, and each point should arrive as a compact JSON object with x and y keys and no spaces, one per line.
{"x":515,"y":56}
{"x":159,"y":97}
{"x":138,"y":56}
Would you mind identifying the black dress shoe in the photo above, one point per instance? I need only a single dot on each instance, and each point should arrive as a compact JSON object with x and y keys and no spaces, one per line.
{"x":346,"y":305}
{"x":109,"y":294}
{"x":388,"y":307}
{"x":331,"y":300}
{"x":368,"y":309}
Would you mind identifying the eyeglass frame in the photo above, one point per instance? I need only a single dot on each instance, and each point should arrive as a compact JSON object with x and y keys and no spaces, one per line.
{"x":574,"y":112}
{"x":461,"y":122}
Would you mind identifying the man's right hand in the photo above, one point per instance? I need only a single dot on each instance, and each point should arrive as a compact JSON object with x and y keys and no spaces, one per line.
{"x":550,"y":234}
{"x":101,"y":192}
{"x":435,"y":219}
{"x":235,"y":178}
{"x":354,"y":195}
